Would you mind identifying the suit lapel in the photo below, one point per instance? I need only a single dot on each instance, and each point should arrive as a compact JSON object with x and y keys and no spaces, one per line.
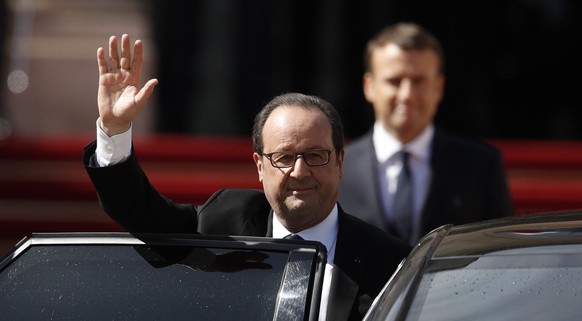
{"x":374,"y":191}
{"x":270,"y":224}
{"x":367,"y":175}
{"x":347,"y":272}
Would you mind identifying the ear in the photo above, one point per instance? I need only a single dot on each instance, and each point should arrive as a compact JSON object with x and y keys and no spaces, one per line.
{"x":368,"y":87}
{"x":259,"y":163}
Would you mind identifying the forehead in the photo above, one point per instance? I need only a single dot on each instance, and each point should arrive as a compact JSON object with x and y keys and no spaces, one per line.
{"x":392,"y":58}
{"x":296,"y":128}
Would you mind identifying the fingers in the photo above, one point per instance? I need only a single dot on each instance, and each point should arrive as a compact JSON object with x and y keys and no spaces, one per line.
{"x":125,"y":60}
{"x":113,"y":53}
{"x":125,"y":52}
{"x":137,"y":56}
{"x":116,"y":62}
{"x":101,"y":62}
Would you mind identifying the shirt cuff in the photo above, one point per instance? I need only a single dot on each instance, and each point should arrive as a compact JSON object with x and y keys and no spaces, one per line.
{"x":114,"y":149}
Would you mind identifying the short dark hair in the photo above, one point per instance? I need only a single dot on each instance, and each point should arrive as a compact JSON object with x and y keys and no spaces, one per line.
{"x":301,"y":101}
{"x":408,"y":36}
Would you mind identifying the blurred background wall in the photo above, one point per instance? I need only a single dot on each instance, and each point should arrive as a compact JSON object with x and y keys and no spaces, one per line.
{"x":50,"y":78}
{"x":512,"y":68}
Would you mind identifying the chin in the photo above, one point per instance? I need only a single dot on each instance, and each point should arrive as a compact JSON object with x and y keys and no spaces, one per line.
{"x":296,"y":206}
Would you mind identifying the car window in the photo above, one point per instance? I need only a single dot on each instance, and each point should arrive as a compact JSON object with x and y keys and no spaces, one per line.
{"x":499,"y":287}
{"x":139,"y":282}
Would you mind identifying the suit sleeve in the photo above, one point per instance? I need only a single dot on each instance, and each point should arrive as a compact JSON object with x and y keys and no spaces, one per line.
{"x":127,"y":196}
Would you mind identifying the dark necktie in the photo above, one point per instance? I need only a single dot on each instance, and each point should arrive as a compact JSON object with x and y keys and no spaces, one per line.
{"x":293,"y":237}
{"x":402,"y":209}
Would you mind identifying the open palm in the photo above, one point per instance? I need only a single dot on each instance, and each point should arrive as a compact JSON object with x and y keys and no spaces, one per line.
{"x":120,"y":97}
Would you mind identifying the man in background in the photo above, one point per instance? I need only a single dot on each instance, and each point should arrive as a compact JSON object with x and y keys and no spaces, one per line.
{"x":406,"y":176}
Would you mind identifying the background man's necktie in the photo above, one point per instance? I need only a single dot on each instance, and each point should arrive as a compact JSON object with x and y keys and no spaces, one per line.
{"x":402,"y":209}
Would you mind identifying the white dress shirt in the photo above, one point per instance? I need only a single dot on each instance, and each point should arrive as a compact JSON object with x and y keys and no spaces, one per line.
{"x":326,"y":233}
{"x":115,"y":149}
{"x":389,"y":166}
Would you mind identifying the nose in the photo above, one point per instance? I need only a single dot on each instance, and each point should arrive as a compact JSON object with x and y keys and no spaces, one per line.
{"x":405,"y":90}
{"x":300,"y":168}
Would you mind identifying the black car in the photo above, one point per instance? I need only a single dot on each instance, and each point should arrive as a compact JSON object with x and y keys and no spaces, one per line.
{"x":118,"y":276}
{"x":516,"y":268}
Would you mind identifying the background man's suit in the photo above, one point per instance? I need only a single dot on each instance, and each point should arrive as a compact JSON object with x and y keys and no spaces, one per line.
{"x":468,"y":183}
{"x":365,"y":257}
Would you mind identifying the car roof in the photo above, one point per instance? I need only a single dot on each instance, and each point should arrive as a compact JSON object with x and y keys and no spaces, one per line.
{"x":531,"y":231}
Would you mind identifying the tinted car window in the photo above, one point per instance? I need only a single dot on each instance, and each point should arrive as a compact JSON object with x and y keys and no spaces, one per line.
{"x":499,"y":287}
{"x":111,"y":282}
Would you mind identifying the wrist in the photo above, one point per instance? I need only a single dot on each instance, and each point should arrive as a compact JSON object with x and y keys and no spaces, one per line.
{"x":112,"y":129}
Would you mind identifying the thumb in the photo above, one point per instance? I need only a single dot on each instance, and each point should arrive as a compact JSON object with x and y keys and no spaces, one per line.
{"x":145,"y":92}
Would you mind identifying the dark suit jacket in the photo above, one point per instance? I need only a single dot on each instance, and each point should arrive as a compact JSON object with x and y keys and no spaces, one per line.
{"x":365,"y":257}
{"x":468,"y":183}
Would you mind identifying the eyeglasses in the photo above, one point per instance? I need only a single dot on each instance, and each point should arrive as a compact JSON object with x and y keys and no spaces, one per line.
{"x":314,"y":157}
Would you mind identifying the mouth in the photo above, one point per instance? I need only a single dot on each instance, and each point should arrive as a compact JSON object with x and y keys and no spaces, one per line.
{"x":300,"y":189}
{"x":403,"y":109}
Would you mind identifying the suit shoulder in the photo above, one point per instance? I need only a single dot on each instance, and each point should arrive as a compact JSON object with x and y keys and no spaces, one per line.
{"x":359,"y":153}
{"x":238,"y":197}
{"x":360,"y":143}
{"x":229,"y":210}
{"x":469,"y":148}
{"x":235,"y":202}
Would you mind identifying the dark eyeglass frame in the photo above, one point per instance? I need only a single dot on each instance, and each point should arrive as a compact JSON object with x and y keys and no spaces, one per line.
{"x":327,"y":152}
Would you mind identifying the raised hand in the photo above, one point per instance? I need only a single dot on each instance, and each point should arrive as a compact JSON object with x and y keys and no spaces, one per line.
{"x":119,"y":97}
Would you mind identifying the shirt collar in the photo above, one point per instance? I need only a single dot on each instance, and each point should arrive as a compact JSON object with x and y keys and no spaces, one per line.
{"x":325,"y":232}
{"x":386,"y":146}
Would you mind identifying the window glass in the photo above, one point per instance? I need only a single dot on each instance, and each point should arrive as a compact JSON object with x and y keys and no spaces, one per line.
{"x":141,"y":283}
{"x":517,"y":287}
